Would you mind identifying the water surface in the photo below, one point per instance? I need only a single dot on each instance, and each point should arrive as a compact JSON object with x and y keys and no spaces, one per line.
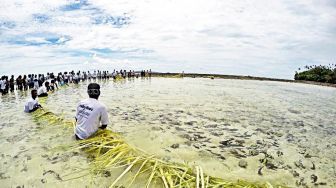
{"x":278,"y":132}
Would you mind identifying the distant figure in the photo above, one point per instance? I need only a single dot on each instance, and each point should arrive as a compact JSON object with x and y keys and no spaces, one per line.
{"x":19,"y":82}
{"x":32,"y":103}
{"x":24,"y":82}
{"x":65,"y":78}
{"x":124,"y":74}
{"x":36,"y":83}
{"x":11,"y":83}
{"x":76,"y":78}
{"x":114,"y":74}
{"x":7,"y":84}
{"x":3,"y":85}
{"x":53,"y":85}
{"x":94,"y":75}
{"x":31,"y":81}
{"x":89,"y":75}
{"x":90,"y":114}
{"x":43,"y":91}
{"x":40,"y":80}
{"x":107,"y":75}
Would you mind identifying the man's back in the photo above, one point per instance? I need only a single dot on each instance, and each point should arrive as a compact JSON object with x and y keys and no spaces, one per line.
{"x":3,"y":84}
{"x":42,"y":90}
{"x":30,"y":105}
{"x":89,"y":113}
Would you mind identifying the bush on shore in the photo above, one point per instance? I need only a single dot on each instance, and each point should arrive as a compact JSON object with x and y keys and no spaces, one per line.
{"x":319,"y":73}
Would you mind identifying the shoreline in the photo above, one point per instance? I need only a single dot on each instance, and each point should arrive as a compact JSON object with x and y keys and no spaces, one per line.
{"x":238,"y":77}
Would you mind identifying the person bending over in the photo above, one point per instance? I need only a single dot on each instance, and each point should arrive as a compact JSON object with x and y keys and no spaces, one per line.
{"x":32,"y":103}
{"x":43,"y":91}
{"x":90,"y":114}
{"x":52,"y":84}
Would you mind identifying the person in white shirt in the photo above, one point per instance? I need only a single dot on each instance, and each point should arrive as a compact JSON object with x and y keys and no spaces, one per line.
{"x":70,"y":77}
{"x":36,"y":84}
{"x":94,"y":75}
{"x":90,"y":114}
{"x":1,"y":82}
{"x":77,"y":78}
{"x":3,"y":85}
{"x":52,"y":84}
{"x":43,"y":91}
{"x":32,"y":103}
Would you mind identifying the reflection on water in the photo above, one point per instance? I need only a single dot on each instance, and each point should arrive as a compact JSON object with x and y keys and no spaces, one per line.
{"x":255,"y":130}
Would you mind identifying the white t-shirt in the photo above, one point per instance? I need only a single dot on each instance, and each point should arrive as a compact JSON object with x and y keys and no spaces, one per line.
{"x":49,"y":80}
{"x":41,"y":90}
{"x":31,"y":104}
{"x":50,"y":84}
{"x":3,"y":84}
{"x":36,"y":84}
{"x":0,"y":83}
{"x":89,"y":113}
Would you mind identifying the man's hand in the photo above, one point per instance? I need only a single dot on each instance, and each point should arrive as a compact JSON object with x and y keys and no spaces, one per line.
{"x":103,"y":127}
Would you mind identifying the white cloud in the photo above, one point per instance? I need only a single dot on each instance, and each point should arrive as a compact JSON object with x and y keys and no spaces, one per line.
{"x":261,"y":38}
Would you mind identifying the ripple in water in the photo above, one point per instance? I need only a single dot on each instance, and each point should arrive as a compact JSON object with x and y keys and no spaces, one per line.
{"x":256,"y":130}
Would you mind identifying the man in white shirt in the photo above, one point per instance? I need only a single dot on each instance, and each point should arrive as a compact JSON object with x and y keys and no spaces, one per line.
{"x":32,"y":103}
{"x":90,"y":114}
{"x":94,"y":75}
{"x":36,"y":84}
{"x":3,"y":85}
{"x":52,"y":84}
{"x":1,"y":82}
{"x":43,"y":91}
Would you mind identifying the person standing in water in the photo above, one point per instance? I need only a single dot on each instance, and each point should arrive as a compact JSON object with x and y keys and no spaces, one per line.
{"x":90,"y":114}
{"x":32,"y":103}
{"x":43,"y":91}
{"x":11,"y":83}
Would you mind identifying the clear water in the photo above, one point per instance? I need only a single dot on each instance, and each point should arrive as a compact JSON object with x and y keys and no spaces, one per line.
{"x":212,"y":123}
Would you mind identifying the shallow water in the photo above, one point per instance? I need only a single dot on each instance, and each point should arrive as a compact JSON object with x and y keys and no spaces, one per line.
{"x":287,"y":128}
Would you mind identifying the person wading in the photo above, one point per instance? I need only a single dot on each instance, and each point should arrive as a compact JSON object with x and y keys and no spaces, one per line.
{"x":32,"y":103}
{"x":90,"y":114}
{"x":43,"y":91}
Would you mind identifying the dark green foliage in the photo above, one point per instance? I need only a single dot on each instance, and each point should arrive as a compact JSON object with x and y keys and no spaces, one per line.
{"x":318,"y":74}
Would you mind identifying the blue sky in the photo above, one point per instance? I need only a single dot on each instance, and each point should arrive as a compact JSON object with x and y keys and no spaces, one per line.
{"x":258,"y":38}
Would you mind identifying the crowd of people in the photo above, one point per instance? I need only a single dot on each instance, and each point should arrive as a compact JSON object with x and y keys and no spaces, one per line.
{"x":90,"y":114}
{"x":49,"y":82}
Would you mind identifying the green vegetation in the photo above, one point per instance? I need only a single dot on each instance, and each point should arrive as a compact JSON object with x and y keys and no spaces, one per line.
{"x":319,"y":73}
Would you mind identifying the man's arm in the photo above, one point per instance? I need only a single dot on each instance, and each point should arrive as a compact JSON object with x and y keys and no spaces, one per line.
{"x":104,"y":118}
{"x":103,"y":127}
{"x":76,"y":113}
{"x":34,"y":109}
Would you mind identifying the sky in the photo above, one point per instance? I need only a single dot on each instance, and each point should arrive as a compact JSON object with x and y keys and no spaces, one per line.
{"x":268,"y":38}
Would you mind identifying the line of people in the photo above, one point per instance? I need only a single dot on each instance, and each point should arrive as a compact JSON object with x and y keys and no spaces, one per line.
{"x":90,"y":114}
{"x":50,"y":81}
